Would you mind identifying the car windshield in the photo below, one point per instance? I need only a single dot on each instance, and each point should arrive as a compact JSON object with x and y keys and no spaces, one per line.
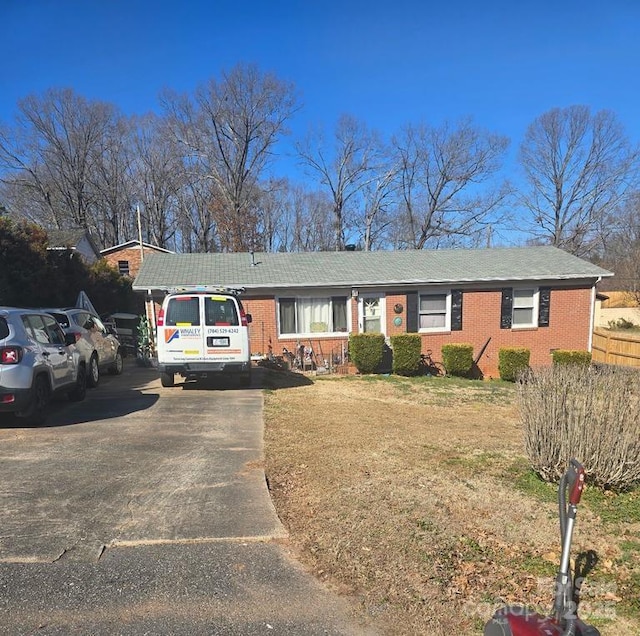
{"x":4,"y":328}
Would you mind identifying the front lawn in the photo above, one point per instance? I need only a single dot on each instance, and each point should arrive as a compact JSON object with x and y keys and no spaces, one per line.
{"x":414,"y":498}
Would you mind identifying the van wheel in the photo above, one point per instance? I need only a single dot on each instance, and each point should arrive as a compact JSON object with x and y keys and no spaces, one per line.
{"x":93,"y":377}
{"x":245,"y":380}
{"x":167,"y":379}
{"x":40,"y":398}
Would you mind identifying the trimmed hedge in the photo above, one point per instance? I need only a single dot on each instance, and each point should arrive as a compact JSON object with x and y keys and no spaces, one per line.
{"x":457,"y":358}
{"x":406,"y":353}
{"x":366,"y":351}
{"x":571,"y":356}
{"x":513,"y":361}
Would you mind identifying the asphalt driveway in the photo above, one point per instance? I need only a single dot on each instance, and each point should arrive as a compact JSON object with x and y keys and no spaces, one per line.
{"x":144,"y":510}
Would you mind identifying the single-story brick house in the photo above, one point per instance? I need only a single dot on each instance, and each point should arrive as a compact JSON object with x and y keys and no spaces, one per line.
{"x":538,"y":297}
{"x":126,"y":257}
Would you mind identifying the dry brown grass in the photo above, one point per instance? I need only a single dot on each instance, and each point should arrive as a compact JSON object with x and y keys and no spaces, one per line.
{"x":399,"y":493}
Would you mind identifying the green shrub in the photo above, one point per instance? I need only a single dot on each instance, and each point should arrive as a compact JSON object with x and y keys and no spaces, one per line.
{"x":457,"y":359}
{"x":570,"y":356}
{"x":366,"y":351}
{"x":406,"y":353}
{"x":512,"y":362}
{"x":571,"y":410}
{"x":621,"y":323}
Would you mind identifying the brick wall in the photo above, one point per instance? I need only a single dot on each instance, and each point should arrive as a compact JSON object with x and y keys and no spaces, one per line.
{"x":569,"y":328}
{"x":130,"y":254}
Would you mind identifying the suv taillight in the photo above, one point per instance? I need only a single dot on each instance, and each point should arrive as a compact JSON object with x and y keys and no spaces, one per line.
{"x":10,"y":355}
{"x":160,"y":318}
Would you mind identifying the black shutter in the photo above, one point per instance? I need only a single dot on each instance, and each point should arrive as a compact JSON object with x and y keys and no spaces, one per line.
{"x":544,"y":303}
{"x":456,"y":310}
{"x":412,"y":312}
{"x":506,"y":308}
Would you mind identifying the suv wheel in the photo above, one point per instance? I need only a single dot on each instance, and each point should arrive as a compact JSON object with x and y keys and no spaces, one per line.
{"x":80,"y":391}
{"x":93,"y":376}
{"x":116,"y":367}
{"x":40,"y":398}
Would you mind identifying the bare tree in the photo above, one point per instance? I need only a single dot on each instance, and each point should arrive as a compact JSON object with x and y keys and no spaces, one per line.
{"x":229,"y":128}
{"x":295,"y":219}
{"x":379,"y":204}
{"x":621,"y":251}
{"x":444,"y":177}
{"x":579,"y":168}
{"x":197,"y":203}
{"x":345,"y":166}
{"x":159,"y":176}
{"x":113,"y":187}
{"x":51,"y":153}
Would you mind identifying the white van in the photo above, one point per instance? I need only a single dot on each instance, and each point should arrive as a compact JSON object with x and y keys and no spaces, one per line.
{"x":203,"y":332}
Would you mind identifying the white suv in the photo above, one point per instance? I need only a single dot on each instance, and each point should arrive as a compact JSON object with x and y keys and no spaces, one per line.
{"x":37,"y":360}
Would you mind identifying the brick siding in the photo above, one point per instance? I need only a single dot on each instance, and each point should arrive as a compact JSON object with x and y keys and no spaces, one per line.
{"x":130,"y":254}
{"x":569,"y":328}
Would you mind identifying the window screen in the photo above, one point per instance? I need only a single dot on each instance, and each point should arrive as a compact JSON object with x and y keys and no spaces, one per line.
{"x":523,"y":306}
{"x":433,"y":311}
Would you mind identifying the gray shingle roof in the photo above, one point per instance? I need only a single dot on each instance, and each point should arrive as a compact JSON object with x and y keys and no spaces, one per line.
{"x":332,"y":269}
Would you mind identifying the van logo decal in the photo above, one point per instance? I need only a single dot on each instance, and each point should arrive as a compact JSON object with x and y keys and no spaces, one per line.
{"x":170,"y":335}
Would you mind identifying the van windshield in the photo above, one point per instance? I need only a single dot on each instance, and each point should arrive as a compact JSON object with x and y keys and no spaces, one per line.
{"x":219,"y":310}
{"x":183,"y":311}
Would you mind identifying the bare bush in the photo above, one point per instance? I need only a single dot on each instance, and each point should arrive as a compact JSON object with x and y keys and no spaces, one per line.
{"x":587,"y":413}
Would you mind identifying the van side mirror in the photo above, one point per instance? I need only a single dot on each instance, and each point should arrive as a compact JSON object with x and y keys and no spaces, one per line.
{"x":249,"y":318}
{"x":69,"y":339}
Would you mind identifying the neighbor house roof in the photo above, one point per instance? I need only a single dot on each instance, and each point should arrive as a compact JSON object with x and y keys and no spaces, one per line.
{"x":381,"y":268}
{"x":134,"y":243}
{"x":73,"y":239}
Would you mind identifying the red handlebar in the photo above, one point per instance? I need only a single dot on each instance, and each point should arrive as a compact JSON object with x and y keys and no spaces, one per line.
{"x":576,"y":482}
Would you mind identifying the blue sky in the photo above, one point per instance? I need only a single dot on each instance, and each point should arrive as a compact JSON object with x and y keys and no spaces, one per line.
{"x":387,"y":63}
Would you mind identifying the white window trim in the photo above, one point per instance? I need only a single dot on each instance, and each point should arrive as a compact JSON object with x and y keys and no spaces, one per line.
{"x":447,"y":319}
{"x":313,"y":334}
{"x":536,"y":305}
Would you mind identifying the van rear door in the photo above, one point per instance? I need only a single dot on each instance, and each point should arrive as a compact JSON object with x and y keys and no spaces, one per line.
{"x":226,"y":339}
{"x":182,"y":339}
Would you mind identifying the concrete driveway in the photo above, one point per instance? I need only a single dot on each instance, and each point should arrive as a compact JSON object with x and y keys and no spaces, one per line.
{"x":144,"y":510}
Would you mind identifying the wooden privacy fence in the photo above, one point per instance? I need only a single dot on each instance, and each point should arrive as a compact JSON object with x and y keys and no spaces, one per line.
{"x":616,"y":348}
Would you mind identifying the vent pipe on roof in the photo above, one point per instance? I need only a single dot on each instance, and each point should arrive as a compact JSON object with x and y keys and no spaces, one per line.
{"x":253,"y":259}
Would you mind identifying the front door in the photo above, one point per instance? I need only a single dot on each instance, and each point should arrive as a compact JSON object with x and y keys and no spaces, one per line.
{"x":371,"y":313}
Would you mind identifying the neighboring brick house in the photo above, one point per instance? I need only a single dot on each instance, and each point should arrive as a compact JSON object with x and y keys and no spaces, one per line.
{"x":77,"y":240}
{"x":537,"y":297}
{"x":126,"y":257}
